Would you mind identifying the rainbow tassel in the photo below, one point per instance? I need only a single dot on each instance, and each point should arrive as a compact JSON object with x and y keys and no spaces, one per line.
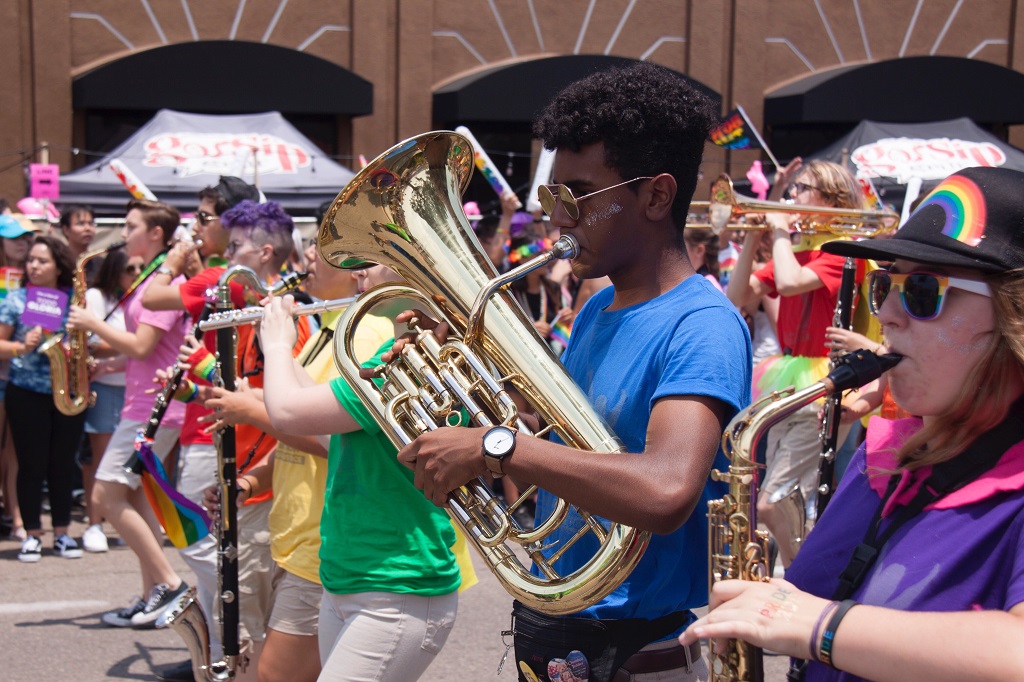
{"x":184,"y":521}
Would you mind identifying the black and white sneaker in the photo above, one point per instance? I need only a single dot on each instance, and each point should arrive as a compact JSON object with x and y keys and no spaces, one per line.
{"x":122,"y":618}
{"x":160,"y":597}
{"x":31,"y":550}
{"x":66,"y":547}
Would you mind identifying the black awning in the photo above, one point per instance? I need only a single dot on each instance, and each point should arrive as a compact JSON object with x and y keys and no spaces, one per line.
{"x":516,"y":92}
{"x":912,"y":89}
{"x":224,"y":76}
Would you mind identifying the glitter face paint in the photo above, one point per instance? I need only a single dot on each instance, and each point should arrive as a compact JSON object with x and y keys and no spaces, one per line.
{"x":603,"y":214}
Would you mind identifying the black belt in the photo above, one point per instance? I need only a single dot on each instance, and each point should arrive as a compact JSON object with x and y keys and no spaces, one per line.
{"x":658,"y":660}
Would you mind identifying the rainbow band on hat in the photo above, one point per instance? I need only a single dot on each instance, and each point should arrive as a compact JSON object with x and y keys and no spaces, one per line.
{"x":521,"y":253}
{"x":964,"y":206}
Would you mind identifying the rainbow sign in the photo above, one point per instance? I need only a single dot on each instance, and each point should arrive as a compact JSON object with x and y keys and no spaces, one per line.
{"x":964,"y":206}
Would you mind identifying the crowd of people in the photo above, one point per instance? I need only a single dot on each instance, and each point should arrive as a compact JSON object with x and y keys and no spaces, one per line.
{"x":348,"y":566}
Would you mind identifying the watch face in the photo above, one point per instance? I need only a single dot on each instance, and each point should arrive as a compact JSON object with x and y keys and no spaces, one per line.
{"x":499,"y":441}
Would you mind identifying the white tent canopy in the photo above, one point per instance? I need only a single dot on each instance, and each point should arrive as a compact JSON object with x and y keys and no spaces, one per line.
{"x":177,"y":154}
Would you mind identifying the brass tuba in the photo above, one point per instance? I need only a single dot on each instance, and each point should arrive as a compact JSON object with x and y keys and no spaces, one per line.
{"x":69,"y":361}
{"x":404,"y":211}
{"x":737,"y":550}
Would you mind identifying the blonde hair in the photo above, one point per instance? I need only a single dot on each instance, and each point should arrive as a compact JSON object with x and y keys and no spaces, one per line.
{"x":999,"y":373}
{"x":835,"y":183}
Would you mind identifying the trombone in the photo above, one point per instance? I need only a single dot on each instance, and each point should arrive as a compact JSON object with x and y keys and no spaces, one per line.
{"x":725,"y":206}
{"x":697,"y":219}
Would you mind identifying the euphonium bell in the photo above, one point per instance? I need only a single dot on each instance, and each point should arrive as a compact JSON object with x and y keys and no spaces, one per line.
{"x":404,"y":211}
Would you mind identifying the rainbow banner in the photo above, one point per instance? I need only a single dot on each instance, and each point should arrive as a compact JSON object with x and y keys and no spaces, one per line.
{"x":737,"y":132}
{"x":184,"y":521}
{"x":486,"y":167}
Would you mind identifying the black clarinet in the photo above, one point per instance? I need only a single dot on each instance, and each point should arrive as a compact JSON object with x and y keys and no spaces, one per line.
{"x":843,"y":318}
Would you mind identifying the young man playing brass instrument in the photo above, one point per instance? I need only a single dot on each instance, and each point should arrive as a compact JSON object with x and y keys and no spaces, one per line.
{"x":662,"y":356}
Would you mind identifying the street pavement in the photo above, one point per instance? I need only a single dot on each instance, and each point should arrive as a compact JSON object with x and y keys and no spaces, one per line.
{"x":50,"y":627}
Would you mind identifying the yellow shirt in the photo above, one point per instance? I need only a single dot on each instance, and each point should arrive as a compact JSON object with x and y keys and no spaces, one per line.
{"x":299,"y":477}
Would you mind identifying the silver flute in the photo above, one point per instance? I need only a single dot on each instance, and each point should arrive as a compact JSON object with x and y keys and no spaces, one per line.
{"x":253,"y":314}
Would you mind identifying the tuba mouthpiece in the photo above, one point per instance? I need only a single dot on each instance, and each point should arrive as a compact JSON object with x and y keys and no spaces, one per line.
{"x":566,"y":247}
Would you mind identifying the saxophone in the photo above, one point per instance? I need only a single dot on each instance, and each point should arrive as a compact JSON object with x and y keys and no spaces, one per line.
{"x":69,"y":360}
{"x":737,"y":550}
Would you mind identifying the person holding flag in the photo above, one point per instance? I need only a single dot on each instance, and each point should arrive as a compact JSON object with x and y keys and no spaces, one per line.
{"x":45,"y":439}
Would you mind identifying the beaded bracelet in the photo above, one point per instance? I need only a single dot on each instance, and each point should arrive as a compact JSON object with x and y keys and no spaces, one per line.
{"x":828,"y":637}
{"x":817,"y":629}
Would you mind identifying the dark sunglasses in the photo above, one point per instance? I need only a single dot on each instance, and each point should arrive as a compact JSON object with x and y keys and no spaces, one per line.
{"x":921,"y":293}
{"x":132,"y":269}
{"x":550,"y":195}
{"x":205,"y":218}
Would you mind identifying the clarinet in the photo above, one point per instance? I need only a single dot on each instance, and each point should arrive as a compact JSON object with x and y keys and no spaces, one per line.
{"x":829,"y":435}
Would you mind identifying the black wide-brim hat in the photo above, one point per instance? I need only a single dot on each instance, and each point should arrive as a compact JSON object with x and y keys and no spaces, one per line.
{"x":972,"y":219}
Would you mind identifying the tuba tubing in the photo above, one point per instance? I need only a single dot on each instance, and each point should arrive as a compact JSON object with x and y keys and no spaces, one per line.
{"x":404,"y":211}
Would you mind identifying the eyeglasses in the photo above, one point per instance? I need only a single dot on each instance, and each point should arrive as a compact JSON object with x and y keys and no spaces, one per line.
{"x":921,"y":293}
{"x":132,"y":269}
{"x":549,"y":195}
{"x":798,"y":187}
{"x":205,"y":218}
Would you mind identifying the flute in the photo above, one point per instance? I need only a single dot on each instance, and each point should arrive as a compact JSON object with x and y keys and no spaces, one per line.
{"x":253,"y":314}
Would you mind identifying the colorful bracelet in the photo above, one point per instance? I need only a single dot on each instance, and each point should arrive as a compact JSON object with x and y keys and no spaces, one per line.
{"x":817,"y":629}
{"x":204,"y":365}
{"x":828,"y":637}
{"x":187,"y":391}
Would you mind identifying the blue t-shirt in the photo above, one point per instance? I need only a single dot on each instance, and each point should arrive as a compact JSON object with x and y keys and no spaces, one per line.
{"x":688,"y":341}
{"x":32,"y":370}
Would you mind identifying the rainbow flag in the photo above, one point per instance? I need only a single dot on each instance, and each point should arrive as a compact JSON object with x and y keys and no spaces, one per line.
{"x":560,"y":332}
{"x":184,"y":521}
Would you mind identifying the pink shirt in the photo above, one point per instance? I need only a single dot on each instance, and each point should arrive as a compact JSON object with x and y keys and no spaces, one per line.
{"x":139,"y":373}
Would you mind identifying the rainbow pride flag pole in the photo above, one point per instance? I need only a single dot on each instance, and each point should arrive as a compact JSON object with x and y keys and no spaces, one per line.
{"x":486,"y":167}
{"x":184,"y":521}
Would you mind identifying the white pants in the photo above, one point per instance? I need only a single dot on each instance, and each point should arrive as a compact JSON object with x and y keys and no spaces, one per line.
{"x":382,"y":636}
{"x":196,"y":473}
{"x":255,"y":566}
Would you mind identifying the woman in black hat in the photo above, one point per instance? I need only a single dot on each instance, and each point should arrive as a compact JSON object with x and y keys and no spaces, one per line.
{"x":916,"y":569}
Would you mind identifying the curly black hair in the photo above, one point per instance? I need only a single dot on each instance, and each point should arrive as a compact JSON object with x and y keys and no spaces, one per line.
{"x":650,"y":120}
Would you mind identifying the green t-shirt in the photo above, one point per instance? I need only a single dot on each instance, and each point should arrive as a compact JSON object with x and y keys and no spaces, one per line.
{"x":379,"y":533}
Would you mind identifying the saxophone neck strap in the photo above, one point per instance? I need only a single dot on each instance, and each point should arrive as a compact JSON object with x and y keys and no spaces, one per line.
{"x":980,"y":456}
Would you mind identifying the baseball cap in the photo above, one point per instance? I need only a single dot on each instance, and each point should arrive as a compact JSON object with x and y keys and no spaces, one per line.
{"x":235,"y":190}
{"x":13,"y":226}
{"x":972,"y":219}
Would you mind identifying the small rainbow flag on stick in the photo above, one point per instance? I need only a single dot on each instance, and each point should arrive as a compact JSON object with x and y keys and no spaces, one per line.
{"x":184,"y":521}
{"x":560,"y":332}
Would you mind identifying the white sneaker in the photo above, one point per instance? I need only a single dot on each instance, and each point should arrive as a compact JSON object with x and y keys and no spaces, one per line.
{"x":31,"y":550}
{"x":93,"y":539}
